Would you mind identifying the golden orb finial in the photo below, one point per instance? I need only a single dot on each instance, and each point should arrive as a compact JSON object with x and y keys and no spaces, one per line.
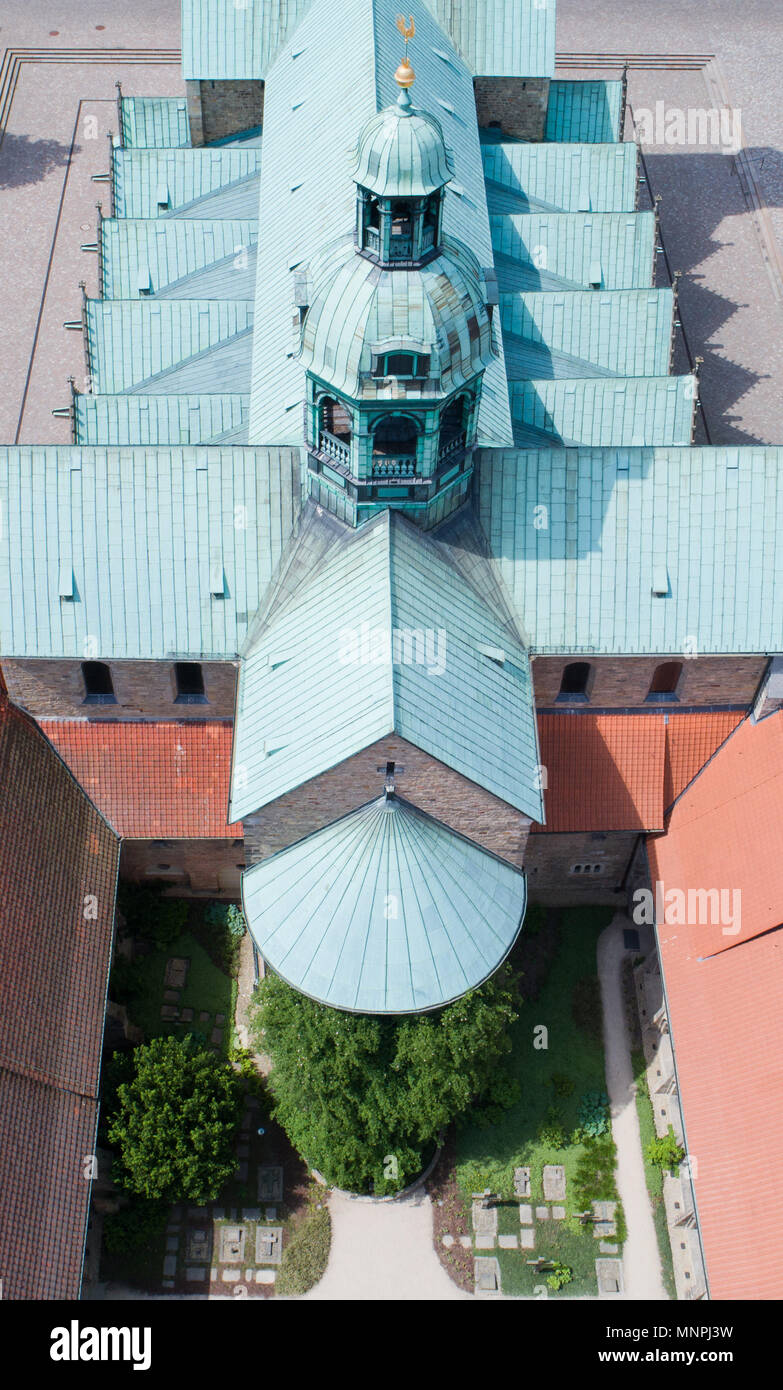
{"x":405,"y":76}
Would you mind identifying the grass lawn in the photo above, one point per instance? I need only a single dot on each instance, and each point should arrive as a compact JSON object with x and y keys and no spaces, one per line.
{"x":652,"y":1172}
{"x":207,"y":990}
{"x":571,"y":1051}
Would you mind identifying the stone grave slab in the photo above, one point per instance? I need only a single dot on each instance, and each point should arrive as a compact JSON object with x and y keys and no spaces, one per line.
{"x":604,"y":1211}
{"x":554,"y":1182}
{"x":220,"y":1018}
{"x":170,"y":1266}
{"x":603,"y":1229}
{"x":176,"y":972}
{"x":171,"y":996}
{"x":485,"y":1219}
{"x":187,"y":1015}
{"x":609,"y":1274}
{"x":270,"y":1183}
{"x":447,"y":1240}
{"x":195,"y":1272}
{"x":465,"y":1242}
{"x":558,"y":1213}
{"x":525,"y":1215}
{"x":486,"y":1274}
{"x":172,"y":1242}
{"x":522,"y":1182}
{"x":168,"y":1283}
{"x":231,"y":1276}
{"x":607,"y":1248}
{"x":251,"y":1213}
{"x":232,"y":1244}
{"x":169,"y":1011}
{"x":219,"y":1213}
{"x":270,"y":1213}
{"x":266,"y":1276}
{"x":203,"y":1017}
{"x":542,"y":1213}
{"x":507,"y":1242}
{"x":527,"y":1238}
{"x":485,"y":1242}
{"x":269,"y":1245}
{"x":216,"y":1036}
{"x":199,"y":1245}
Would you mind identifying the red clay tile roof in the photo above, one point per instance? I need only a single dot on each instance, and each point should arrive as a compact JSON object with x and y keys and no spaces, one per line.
{"x":691,"y":740}
{"x":604,"y":771}
{"x":152,"y":781}
{"x":725,"y":1001}
{"x":58,"y":873}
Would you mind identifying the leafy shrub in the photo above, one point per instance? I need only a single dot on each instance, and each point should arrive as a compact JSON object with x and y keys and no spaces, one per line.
{"x":134,"y":1226}
{"x":593,"y":1116}
{"x":561,"y":1275}
{"x":666,"y":1152}
{"x":216,"y":914}
{"x":594,"y":1178}
{"x":126,"y":983}
{"x":586,"y":1006}
{"x":148,"y":914}
{"x":562,"y":1085}
{"x":235,"y":922}
{"x":305,"y":1258}
{"x":552,"y":1132}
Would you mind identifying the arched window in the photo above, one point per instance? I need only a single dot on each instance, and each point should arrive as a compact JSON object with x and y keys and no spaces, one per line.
{"x":395,"y":435}
{"x":574,"y":681}
{"x":98,"y":684}
{"x":189,"y":679}
{"x":334,"y":418}
{"x":666,"y":678}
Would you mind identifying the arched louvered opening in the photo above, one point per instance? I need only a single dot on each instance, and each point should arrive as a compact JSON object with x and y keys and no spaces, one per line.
{"x":395,"y":447}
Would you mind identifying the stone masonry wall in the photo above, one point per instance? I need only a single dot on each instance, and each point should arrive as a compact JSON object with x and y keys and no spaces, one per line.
{"x":219,"y":109}
{"x":423,"y":781}
{"x":550,"y":857}
{"x":143,"y":689}
{"x":190,"y":867}
{"x":517,"y":104}
{"x":623,"y":681}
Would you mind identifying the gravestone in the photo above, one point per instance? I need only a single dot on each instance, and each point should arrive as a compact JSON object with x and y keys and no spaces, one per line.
{"x":199,"y":1246}
{"x":485,"y":1242}
{"x":525,"y":1215}
{"x":176,"y":972}
{"x":269,"y":1245}
{"x":172,"y":1242}
{"x":521,"y":1182}
{"x":554,"y":1182}
{"x":169,"y":1011}
{"x":527,"y":1238}
{"x":251,"y":1213}
{"x":609,"y":1274}
{"x":485,"y":1219}
{"x":266,"y":1276}
{"x":542,"y":1213}
{"x":486,"y":1275}
{"x":216,"y":1036}
{"x":465,"y":1242}
{"x":195,"y":1272}
{"x":270,"y":1183}
{"x":203,"y":1017}
{"x":171,"y":996}
{"x":447,"y":1240}
{"x":507,"y":1242}
{"x":170,"y":1266}
{"x":232,"y":1244}
{"x":187,"y":1015}
{"x":558,"y":1213}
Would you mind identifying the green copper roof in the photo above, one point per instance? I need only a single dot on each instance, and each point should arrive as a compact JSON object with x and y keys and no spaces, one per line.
{"x":400,"y":153}
{"x":145,"y":419}
{"x":185,"y":183}
{"x":385,"y":911}
{"x":178,"y":257}
{"x":560,"y":178}
{"x":327,"y":648}
{"x":168,"y":550}
{"x":706,"y":524}
{"x":616,"y":411}
{"x":584,"y":111}
{"x":623,"y":333}
{"x":231,"y":39}
{"x":169,"y":345}
{"x":315,"y":105}
{"x":357,"y":308}
{"x":154,"y":122}
{"x":551,"y":251}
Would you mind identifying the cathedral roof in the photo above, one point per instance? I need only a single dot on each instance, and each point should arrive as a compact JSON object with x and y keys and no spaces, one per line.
{"x":401,"y":153}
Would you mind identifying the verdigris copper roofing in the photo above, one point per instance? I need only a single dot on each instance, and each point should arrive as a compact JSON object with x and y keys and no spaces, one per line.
{"x":385,"y":911}
{"x":401,"y":153}
{"x":358,"y":308}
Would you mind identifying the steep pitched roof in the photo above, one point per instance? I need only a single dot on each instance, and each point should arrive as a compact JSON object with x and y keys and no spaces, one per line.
{"x":384,"y":911}
{"x":621,"y":243}
{"x":603,"y":772}
{"x":622,"y":333}
{"x":167,"y":551}
{"x":702,"y":523}
{"x":691,"y":740}
{"x":315,"y":103}
{"x":58,"y":872}
{"x":322,"y":678}
{"x":556,"y":178}
{"x":190,"y":182}
{"x":151,"y":781}
{"x":723,"y":989}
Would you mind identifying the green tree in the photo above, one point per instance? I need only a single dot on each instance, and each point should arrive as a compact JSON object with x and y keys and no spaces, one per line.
{"x":666,"y":1152}
{"x":175,"y":1122}
{"x":364,"y":1098}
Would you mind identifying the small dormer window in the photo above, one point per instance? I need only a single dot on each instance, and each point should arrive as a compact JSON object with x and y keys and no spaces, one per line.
{"x":402,"y":364}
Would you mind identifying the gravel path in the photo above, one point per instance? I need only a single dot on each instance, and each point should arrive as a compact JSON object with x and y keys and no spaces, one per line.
{"x":641,"y":1261}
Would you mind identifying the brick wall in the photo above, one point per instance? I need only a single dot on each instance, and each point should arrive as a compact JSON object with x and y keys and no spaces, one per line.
{"x":549,"y":858}
{"x":517,"y":104}
{"x":219,"y":109}
{"x":143,"y":689}
{"x":622,"y":681}
{"x":191,"y":868}
{"x":426,"y":783}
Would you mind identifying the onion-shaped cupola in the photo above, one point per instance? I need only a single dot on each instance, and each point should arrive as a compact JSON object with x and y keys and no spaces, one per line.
{"x":402,"y":168}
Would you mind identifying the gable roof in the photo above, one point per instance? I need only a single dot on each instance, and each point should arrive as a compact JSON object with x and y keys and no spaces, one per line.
{"x":706,"y":522}
{"x":603,"y":772}
{"x":554,"y":178}
{"x":723,"y":992}
{"x":622,"y":333}
{"x":190,"y":182}
{"x":58,"y":871}
{"x":691,"y":740}
{"x":456,"y":684}
{"x":621,"y":243}
{"x":385,"y":911}
{"x":144,"y":535}
{"x":163,"y":780}
{"x":315,"y":104}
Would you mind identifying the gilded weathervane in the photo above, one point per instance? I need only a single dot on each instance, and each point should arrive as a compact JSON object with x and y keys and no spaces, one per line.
{"x":405,"y":76}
